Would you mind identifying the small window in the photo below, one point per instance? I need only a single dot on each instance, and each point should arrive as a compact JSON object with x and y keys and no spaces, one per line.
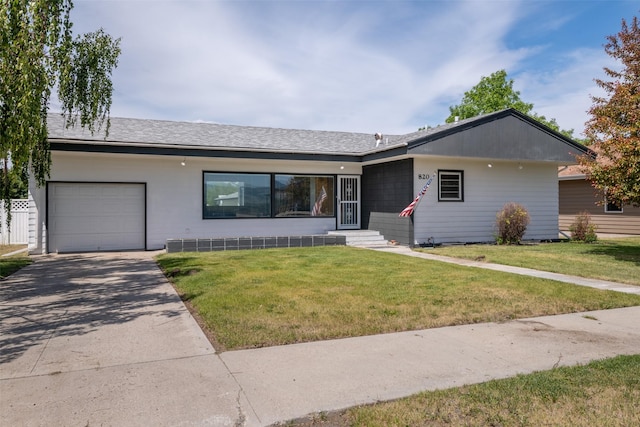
{"x":450,"y":186}
{"x":611,"y":207}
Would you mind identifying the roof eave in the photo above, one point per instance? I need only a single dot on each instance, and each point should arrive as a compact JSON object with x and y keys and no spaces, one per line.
{"x":496,"y":116}
{"x":58,"y":142}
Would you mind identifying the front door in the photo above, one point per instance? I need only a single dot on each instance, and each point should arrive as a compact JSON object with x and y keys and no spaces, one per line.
{"x":348,"y":202}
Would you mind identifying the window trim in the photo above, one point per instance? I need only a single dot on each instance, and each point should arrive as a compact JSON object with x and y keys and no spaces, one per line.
{"x":460,"y":174}
{"x":615,"y":210}
{"x":272,"y":189}
{"x":204,"y":194}
{"x":275,"y":205}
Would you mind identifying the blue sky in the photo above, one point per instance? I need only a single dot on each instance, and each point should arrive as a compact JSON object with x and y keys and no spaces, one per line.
{"x":359,"y":65}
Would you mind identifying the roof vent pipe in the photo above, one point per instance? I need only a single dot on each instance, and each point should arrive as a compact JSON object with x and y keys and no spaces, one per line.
{"x":378,"y":137}
{"x":456,"y":119}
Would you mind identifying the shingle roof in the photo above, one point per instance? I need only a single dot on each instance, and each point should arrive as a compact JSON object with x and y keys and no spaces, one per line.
{"x":216,"y":136}
{"x":211,"y":136}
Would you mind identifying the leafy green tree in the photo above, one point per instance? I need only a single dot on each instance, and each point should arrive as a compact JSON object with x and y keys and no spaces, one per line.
{"x":551,"y":123}
{"x":495,"y":93}
{"x":17,"y":182}
{"x":614,"y":124}
{"x":37,"y":54}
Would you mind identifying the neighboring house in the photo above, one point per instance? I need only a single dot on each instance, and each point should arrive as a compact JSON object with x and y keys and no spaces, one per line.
{"x":577,"y":195}
{"x":151,"y":180}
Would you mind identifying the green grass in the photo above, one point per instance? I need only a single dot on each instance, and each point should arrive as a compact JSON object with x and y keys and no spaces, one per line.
{"x":11,"y":264}
{"x":617,"y":260}
{"x":282,"y":296}
{"x":602,"y":393}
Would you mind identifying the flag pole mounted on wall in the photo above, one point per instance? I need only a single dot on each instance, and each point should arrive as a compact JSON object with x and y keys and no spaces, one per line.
{"x":409,"y":209}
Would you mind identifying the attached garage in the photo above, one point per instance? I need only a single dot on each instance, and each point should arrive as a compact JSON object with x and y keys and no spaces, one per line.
{"x":85,"y":217}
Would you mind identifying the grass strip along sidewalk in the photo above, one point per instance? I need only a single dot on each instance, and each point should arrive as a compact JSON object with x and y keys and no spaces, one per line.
{"x":617,"y":260}
{"x":602,"y":393}
{"x":282,"y":296}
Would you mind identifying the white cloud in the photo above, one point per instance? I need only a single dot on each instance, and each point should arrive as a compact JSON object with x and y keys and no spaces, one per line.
{"x":353,"y":66}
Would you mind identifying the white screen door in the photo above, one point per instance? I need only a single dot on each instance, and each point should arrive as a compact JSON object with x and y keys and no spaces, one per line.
{"x":348,"y":202}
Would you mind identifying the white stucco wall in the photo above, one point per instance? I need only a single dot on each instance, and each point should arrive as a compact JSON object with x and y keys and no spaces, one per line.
{"x":174,"y":194}
{"x":486,"y":190}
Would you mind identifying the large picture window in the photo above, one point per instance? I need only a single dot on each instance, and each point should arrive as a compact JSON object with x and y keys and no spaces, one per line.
{"x":265,"y":195}
{"x":303,"y":196}
{"x":450,"y":186}
{"x":237,"y":195}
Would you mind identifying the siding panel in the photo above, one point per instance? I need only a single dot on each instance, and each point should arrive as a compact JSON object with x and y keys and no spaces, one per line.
{"x":174,"y":194}
{"x":387,"y":188}
{"x":578,"y":196}
{"x":486,"y":190}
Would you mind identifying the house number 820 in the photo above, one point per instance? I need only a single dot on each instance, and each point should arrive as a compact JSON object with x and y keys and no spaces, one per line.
{"x":423,"y":176}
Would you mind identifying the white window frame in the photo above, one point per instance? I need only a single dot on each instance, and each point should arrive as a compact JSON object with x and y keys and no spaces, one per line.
{"x":460,"y":180}
{"x":615,"y":210}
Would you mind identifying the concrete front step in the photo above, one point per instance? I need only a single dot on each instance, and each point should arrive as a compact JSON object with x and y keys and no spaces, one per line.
{"x":366,"y":238}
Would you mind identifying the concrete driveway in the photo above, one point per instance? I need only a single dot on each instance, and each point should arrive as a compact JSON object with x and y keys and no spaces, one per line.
{"x":103,"y":339}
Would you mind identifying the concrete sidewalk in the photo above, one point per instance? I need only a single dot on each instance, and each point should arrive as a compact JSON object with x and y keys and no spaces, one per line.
{"x":288,"y":382}
{"x":103,"y":339}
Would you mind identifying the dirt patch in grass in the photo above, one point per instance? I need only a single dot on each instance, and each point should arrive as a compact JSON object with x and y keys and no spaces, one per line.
{"x":7,"y":249}
{"x":211,"y":336}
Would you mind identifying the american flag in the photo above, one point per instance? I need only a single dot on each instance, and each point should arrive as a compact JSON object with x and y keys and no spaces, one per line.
{"x":318,"y":205}
{"x":409,"y":209}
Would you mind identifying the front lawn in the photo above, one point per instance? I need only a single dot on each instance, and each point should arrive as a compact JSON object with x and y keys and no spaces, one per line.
{"x":281,"y":296}
{"x":617,"y":260}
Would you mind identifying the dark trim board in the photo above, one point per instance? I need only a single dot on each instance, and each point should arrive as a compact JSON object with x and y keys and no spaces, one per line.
{"x":190,"y":152}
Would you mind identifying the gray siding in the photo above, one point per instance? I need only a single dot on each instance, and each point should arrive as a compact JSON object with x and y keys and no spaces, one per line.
{"x":387,"y":189}
{"x":578,"y":196}
{"x":509,"y":138}
{"x":392,"y":227}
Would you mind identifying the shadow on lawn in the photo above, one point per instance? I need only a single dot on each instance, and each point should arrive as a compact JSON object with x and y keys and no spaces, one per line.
{"x":619,"y":252}
{"x":76,"y":294}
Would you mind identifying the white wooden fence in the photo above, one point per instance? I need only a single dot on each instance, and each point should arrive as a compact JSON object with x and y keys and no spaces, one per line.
{"x":18,"y":233}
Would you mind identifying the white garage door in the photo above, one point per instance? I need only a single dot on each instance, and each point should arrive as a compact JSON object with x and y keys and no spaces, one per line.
{"x":96,"y":217}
